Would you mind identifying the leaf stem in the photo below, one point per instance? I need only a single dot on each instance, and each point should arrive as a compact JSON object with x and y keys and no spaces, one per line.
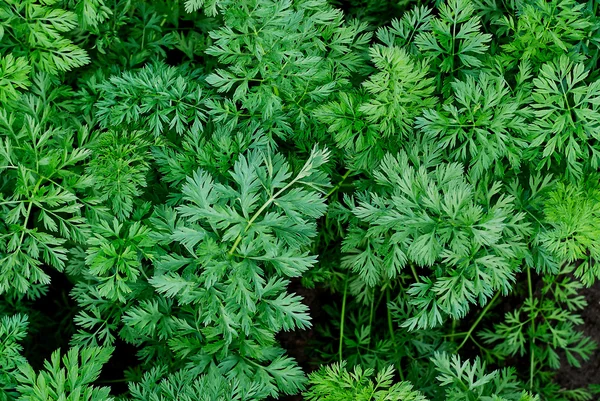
{"x":463,"y":333}
{"x":371,"y":313}
{"x":112,"y":381}
{"x":532,"y":318}
{"x":342,"y":317}
{"x":339,"y":184}
{"x":481,"y":315}
{"x":303,"y":173}
{"x":452,"y":335}
{"x":258,"y":213}
{"x":391,"y":329}
{"x":414,"y":272}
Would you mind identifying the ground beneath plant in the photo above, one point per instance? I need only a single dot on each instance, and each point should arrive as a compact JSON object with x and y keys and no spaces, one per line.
{"x":56,"y":315}
{"x":298,"y":343}
{"x":589,"y":373}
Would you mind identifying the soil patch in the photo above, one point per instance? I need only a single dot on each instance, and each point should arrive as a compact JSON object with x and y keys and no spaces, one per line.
{"x":297,"y":343}
{"x":589,"y":373}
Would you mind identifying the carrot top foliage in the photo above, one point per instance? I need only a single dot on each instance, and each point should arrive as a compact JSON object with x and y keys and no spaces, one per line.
{"x":170,"y":171}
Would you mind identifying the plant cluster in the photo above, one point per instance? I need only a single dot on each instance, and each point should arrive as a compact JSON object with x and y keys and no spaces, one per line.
{"x":172,"y":172}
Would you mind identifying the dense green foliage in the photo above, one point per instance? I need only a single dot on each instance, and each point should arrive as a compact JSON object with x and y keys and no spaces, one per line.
{"x":171,"y":172}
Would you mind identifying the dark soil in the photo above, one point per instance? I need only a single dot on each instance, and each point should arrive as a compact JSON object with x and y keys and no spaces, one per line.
{"x":589,"y":373}
{"x":297,"y":343}
{"x":50,"y":325}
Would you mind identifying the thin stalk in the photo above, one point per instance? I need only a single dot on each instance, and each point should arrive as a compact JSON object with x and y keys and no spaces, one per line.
{"x":303,"y":173}
{"x":463,"y":333}
{"x":379,"y":300}
{"x":342,"y":317}
{"x":28,"y":211}
{"x":374,"y":307}
{"x":339,"y":184}
{"x":112,"y":381}
{"x":532,"y":318}
{"x":371,"y":320}
{"x":481,"y":315}
{"x":389,"y":317}
{"x":259,"y":212}
{"x":392,"y":332}
{"x":414,"y":272}
{"x":454,"y":321}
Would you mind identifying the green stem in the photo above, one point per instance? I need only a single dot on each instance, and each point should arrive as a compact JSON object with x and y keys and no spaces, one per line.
{"x":485,"y":310}
{"x":532,"y":318}
{"x":252,"y":219}
{"x":342,"y":318}
{"x":339,"y":184}
{"x":464,"y":333}
{"x":28,"y":211}
{"x":391,"y":329}
{"x":112,"y":381}
{"x":529,"y":283}
{"x":269,"y":201}
{"x":454,"y":321}
{"x":414,"y":272}
{"x":259,"y":212}
{"x":371,"y":320}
